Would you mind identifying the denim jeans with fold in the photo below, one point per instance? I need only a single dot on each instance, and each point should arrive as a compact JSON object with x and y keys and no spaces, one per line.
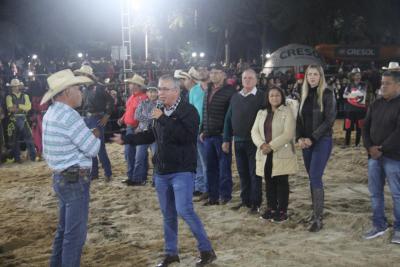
{"x":141,"y":164}
{"x":93,"y":122}
{"x":130,"y":155}
{"x":175,"y":192}
{"x":378,"y":170}
{"x":219,"y":173}
{"x":73,"y":202}
{"x":200,"y":183}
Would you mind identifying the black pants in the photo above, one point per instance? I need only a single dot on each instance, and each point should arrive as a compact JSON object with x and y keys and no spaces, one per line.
{"x":353,"y":121}
{"x":277,"y":188}
{"x":348,"y":136}
{"x":250,"y":183}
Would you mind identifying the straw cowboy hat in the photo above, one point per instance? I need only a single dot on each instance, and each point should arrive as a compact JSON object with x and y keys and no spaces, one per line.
{"x":194,"y":74}
{"x":15,"y":83}
{"x":60,"y":81}
{"x":87,"y":71}
{"x":180,"y":74}
{"x":136,"y":79}
{"x":392,"y":66}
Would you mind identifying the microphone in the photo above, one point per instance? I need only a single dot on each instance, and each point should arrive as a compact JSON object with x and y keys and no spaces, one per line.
{"x":159,"y":105}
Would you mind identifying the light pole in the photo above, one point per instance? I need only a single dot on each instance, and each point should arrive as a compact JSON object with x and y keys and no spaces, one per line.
{"x":146,"y":44}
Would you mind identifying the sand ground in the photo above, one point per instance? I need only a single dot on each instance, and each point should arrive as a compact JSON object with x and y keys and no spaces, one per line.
{"x":125,"y":224}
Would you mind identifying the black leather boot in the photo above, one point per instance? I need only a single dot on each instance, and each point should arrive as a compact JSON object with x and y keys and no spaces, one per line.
{"x":206,"y":257}
{"x":318,"y":209}
{"x":168,"y":259}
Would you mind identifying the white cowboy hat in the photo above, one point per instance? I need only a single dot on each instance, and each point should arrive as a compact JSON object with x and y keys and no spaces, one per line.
{"x":180,"y":74}
{"x":136,"y":79}
{"x":60,"y":81}
{"x":87,"y":71}
{"x":355,"y":70}
{"x":194,"y":74}
{"x":392,"y":66}
{"x":15,"y":83}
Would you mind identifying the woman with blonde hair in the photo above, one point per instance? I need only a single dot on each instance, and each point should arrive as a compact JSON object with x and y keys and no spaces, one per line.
{"x":273,"y":134}
{"x":315,"y":120}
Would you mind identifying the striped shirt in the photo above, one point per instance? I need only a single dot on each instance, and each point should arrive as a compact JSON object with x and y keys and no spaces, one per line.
{"x":143,"y":114}
{"x":66,"y":139}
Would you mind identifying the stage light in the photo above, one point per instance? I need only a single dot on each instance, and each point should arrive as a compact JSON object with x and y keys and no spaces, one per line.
{"x":136,"y":5}
{"x":202,"y":54}
{"x":80,"y":55}
{"x":34,"y":56}
{"x":194,"y":54}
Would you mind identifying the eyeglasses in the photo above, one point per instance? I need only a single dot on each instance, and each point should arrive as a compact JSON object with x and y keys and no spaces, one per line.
{"x":164,"y":89}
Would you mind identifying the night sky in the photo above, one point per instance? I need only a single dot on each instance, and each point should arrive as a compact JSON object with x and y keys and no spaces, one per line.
{"x":68,"y":26}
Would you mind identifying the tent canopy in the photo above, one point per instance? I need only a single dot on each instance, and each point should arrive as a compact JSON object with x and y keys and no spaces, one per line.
{"x":292,"y":55}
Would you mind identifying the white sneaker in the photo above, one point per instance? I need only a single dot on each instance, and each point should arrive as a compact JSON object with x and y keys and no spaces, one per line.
{"x":374,"y":233}
{"x":396,"y":237}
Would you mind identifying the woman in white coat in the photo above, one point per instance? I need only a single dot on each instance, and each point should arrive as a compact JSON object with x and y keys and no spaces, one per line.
{"x":273,"y":133}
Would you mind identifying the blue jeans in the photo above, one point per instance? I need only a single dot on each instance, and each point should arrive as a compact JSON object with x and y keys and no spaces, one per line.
{"x":130,"y":153}
{"x":73,"y":202}
{"x":315,"y":160}
{"x":175,"y":192}
{"x":23,"y":130}
{"x":93,"y":122}
{"x":141,"y":165}
{"x":219,"y":174}
{"x":200,"y":182}
{"x":153,"y":149}
{"x":250,"y":183}
{"x":378,"y":170}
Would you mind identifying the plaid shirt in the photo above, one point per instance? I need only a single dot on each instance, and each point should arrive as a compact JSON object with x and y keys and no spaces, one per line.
{"x":171,"y":109}
{"x":143,"y":114}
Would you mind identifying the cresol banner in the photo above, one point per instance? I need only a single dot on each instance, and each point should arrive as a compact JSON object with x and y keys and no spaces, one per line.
{"x":298,"y":52}
{"x":357,"y":52}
